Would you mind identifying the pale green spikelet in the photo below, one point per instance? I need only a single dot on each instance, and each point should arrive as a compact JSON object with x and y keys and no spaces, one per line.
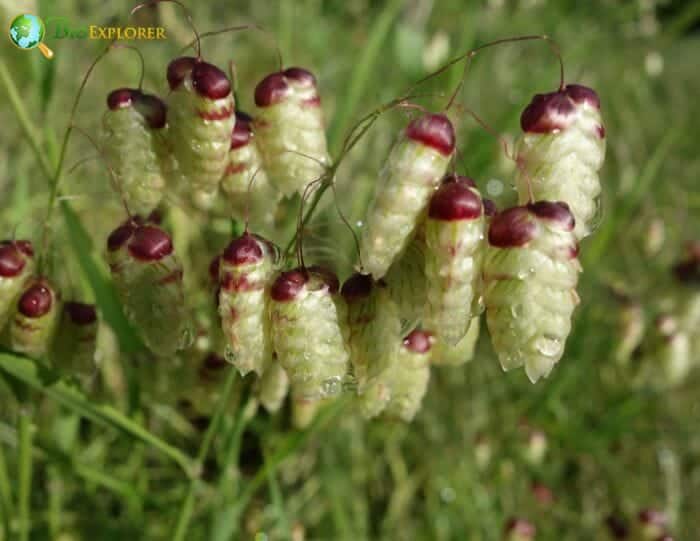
{"x":531,"y":272}
{"x":304,"y":411}
{"x":200,"y":122}
{"x":36,"y":318}
{"x":561,"y":152}
{"x":250,"y":194}
{"x":273,"y":387}
{"x":406,"y":283}
{"x":16,"y":269}
{"x":133,"y":142}
{"x":374,"y":329}
{"x":290,"y":131}
{"x":306,"y":314}
{"x":247,"y":266}
{"x":414,"y":168}
{"x":666,"y":359}
{"x":446,"y":355}
{"x":454,"y":233}
{"x":407,"y":379}
{"x":149,"y":280}
{"x":76,"y":342}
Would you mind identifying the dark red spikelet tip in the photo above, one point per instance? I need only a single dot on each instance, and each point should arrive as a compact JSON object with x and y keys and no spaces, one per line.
{"x":242,"y":131}
{"x":244,"y":250}
{"x":11,"y":259}
{"x":209,"y":81}
{"x":150,"y":243}
{"x":214,"y":267}
{"x":616,"y":527}
{"x":490,"y":209}
{"x":328,"y":277}
{"x":512,"y":228}
{"x":120,"y":235}
{"x":271,"y":90}
{"x":357,"y":287}
{"x":454,"y":201}
{"x":155,"y":217}
{"x":558,"y":212}
{"x":25,"y":246}
{"x":81,"y":313}
{"x":418,"y":341}
{"x":178,"y":69}
{"x":300,"y":76}
{"x":153,"y":110}
{"x":211,"y":367}
{"x":122,"y":97}
{"x":687,"y":271}
{"x":547,"y":113}
{"x":435,"y":131}
{"x":521,"y":528}
{"x":36,"y":301}
{"x":583,"y":94}
{"x":288,"y":285}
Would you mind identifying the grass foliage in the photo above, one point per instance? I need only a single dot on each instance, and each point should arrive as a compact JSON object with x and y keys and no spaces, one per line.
{"x":77,"y":467}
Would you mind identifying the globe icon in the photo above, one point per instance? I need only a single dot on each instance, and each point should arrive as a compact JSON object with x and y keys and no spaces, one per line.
{"x":27,"y":32}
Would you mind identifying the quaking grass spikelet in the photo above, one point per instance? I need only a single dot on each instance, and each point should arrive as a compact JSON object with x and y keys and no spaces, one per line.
{"x":561,"y":151}
{"x":149,"y":280}
{"x":530,"y":273}
{"x":133,"y":142}
{"x":16,"y":269}
{"x":306,"y":314}
{"x":415,"y":166}
{"x":247,"y":266}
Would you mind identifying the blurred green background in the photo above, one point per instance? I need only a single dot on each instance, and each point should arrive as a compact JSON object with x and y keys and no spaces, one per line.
{"x":471,"y":459}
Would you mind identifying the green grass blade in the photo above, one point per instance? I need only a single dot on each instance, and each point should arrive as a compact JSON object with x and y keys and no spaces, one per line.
{"x":25,"y":462}
{"x":47,"y":382}
{"x":105,"y":294}
{"x":6,"y":507}
{"x":625,"y":209}
{"x":361,"y":75}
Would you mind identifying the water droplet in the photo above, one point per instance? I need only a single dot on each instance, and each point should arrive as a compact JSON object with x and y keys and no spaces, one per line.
{"x":597,"y":217}
{"x":494,"y":187}
{"x":478,"y":306}
{"x":550,"y":346}
{"x":331,"y":386}
{"x":229,"y":354}
{"x":448,"y":494}
{"x":186,"y":338}
{"x":517,"y":310}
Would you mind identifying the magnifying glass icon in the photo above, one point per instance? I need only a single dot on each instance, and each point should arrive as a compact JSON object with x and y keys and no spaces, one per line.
{"x":27,"y":32}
